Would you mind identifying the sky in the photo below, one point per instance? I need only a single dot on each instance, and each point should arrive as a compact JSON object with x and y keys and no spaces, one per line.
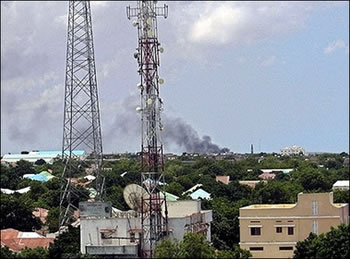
{"x":271,"y":74}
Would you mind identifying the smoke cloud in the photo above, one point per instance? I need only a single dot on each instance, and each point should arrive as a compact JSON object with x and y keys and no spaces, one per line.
{"x":176,"y":134}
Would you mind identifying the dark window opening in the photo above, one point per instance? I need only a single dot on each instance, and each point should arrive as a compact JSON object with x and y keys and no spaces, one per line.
{"x":278,"y":229}
{"x":290,"y":230}
{"x":284,"y":248}
{"x":256,"y":248}
{"x":255,"y":231}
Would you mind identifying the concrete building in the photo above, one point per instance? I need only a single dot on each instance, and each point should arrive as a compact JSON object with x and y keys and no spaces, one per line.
{"x":119,"y":233}
{"x":341,"y":185}
{"x":35,"y":155}
{"x":272,"y":231}
{"x":293,"y":150}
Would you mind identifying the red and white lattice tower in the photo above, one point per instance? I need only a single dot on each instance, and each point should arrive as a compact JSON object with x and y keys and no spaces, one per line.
{"x":154,"y":222}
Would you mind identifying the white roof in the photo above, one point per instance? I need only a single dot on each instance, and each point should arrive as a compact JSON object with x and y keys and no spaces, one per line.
{"x":9,"y":191}
{"x":341,"y":183}
{"x":192,"y":188}
{"x":90,"y":177}
{"x":29,"y":235}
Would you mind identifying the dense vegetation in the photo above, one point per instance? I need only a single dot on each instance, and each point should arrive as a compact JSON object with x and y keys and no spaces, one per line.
{"x":334,"y":244}
{"x":309,"y":175}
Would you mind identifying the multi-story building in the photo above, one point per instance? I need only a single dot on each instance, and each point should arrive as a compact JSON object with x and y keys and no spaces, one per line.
{"x":293,"y":150}
{"x":105,"y":233}
{"x":272,"y":231}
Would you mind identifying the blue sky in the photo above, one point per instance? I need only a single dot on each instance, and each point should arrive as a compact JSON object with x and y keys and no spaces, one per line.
{"x":272,"y":74}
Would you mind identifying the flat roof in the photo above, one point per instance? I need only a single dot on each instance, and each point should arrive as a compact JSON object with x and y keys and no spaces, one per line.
{"x":270,"y":206}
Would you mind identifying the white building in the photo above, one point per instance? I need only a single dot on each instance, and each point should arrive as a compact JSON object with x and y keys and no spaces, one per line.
{"x":341,"y":185}
{"x":35,"y":155}
{"x":119,"y":234}
{"x":293,"y":150}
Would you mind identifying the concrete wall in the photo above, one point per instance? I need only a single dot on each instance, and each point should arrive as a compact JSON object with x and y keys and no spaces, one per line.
{"x":183,"y":208}
{"x":91,"y":230}
{"x":314,"y":212}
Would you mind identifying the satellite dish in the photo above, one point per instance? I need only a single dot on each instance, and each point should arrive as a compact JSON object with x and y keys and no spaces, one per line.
{"x":161,"y":49}
{"x":138,"y":109}
{"x":149,"y":101}
{"x":149,"y":33}
{"x":161,"y":81}
{"x":133,"y":195}
{"x":139,"y":86}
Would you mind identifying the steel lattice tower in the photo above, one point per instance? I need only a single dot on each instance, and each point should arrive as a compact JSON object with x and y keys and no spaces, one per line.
{"x":154,"y":224}
{"x":81,"y":128}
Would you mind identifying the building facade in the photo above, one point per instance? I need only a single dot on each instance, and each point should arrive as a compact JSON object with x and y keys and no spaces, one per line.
{"x":119,"y":233}
{"x":272,"y":231}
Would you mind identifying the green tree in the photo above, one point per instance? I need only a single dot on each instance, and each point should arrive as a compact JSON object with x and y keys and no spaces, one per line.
{"x":37,"y":253}
{"x":66,"y":245}
{"x":195,"y":246}
{"x":341,"y":196}
{"x":334,"y":244}
{"x":174,"y":188}
{"x":192,"y":246}
{"x":52,"y":219}
{"x":237,"y":253}
{"x":16,"y":212}
{"x":167,"y":249}
{"x":6,"y":253}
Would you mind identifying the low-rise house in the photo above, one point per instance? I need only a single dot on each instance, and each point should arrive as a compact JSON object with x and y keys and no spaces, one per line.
{"x":33,"y":156}
{"x":285,"y":171}
{"x":223,"y":179}
{"x":273,"y":230}
{"x":16,"y":240}
{"x":200,"y":194}
{"x":341,"y":185}
{"x":267,"y":176}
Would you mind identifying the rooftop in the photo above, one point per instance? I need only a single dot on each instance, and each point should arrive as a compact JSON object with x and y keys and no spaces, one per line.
{"x":270,"y":206}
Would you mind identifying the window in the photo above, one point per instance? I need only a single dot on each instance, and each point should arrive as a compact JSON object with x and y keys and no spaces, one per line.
{"x":285,"y":248}
{"x":260,"y":248}
{"x":254,"y":221}
{"x":290,"y":230}
{"x":314,"y":208}
{"x":255,"y":231}
{"x":315,"y":227}
{"x":278,"y":229}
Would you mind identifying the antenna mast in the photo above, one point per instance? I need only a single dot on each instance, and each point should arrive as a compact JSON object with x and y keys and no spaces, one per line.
{"x":81,"y":127}
{"x":154,"y":224}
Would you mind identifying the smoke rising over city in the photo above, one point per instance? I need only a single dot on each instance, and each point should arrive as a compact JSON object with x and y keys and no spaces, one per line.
{"x":177,"y":133}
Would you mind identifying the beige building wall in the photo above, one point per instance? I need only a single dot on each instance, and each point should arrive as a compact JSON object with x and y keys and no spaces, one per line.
{"x":314,"y":212}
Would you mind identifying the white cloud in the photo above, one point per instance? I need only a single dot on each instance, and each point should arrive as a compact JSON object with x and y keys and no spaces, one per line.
{"x":335,"y":45}
{"x":244,"y":23}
